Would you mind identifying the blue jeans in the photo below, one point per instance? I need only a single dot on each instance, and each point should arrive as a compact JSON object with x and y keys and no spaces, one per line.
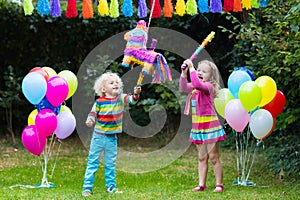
{"x":108,"y":145}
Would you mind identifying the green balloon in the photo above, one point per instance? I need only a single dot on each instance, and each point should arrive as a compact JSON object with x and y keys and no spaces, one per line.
{"x":250,"y":95}
{"x":221,"y":100}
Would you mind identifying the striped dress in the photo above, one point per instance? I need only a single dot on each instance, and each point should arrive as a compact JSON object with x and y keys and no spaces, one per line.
{"x":108,"y":113}
{"x":206,"y":127}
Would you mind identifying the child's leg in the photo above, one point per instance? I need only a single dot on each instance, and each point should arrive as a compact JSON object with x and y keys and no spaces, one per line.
{"x":110,"y":156}
{"x":93,"y":161}
{"x":202,"y":164}
{"x":213,"y":152}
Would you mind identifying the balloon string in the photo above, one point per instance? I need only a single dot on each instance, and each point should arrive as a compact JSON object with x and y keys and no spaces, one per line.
{"x":248,"y":155}
{"x":237,"y":154}
{"x":58,"y":150}
{"x":242,"y":156}
{"x":254,"y":153}
{"x":51,"y":146}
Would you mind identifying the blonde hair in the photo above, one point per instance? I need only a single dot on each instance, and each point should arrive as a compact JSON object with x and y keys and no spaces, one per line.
{"x":101,"y":80}
{"x":214,"y":78}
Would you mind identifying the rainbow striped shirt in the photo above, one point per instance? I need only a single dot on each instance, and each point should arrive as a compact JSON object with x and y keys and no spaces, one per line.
{"x":108,"y":113}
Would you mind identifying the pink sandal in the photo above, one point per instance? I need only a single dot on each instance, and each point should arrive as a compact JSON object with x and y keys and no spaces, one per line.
{"x":219,"y":188}
{"x":199,"y":188}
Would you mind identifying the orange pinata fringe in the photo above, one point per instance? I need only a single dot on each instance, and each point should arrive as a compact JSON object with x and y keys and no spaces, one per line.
{"x":180,"y":7}
{"x":237,"y":7}
{"x":246,"y":4}
{"x":168,"y":8}
{"x":87,"y":9}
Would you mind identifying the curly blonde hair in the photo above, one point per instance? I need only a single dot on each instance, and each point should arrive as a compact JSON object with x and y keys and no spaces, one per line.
{"x":101,"y":80}
{"x":215,"y":78}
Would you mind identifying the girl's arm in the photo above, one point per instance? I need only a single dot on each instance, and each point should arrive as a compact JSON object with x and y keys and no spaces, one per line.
{"x":184,"y":85}
{"x":199,"y":85}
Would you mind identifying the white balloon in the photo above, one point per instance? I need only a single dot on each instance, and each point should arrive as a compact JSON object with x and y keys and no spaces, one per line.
{"x":261,"y":123}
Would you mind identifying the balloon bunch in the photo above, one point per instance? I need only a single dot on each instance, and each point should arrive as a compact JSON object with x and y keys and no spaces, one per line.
{"x":47,"y":91}
{"x":249,"y":100}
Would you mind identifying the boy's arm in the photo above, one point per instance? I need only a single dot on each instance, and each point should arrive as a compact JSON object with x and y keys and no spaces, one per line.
{"x":132,"y":99}
{"x":90,"y":121}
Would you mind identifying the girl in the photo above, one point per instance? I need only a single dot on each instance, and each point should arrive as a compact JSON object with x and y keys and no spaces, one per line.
{"x":206,"y":129}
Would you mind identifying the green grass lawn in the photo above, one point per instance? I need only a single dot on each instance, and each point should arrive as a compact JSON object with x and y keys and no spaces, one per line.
{"x":175,"y":181}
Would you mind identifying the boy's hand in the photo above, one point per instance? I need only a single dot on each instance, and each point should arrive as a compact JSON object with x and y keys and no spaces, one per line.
{"x":137,"y":90}
{"x":89,"y":122}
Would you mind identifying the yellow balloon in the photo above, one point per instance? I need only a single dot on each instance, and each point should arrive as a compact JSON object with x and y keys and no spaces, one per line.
{"x":64,"y":108}
{"x":51,"y":72}
{"x":31,"y":117}
{"x":71,"y":79}
{"x":268,"y":88}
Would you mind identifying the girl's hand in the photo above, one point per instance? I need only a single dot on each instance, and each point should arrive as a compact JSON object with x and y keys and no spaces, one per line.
{"x":188,"y":63}
{"x":89,"y":122}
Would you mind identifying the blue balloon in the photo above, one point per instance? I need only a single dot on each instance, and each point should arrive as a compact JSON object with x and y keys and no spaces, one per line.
{"x":235,"y":80}
{"x":46,"y":104}
{"x":246,"y":70}
{"x":34,"y":87}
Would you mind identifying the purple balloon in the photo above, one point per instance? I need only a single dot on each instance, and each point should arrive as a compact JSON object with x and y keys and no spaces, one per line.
{"x":32,"y":141}
{"x":57,"y":90}
{"x":66,"y":124}
{"x":236,"y":115}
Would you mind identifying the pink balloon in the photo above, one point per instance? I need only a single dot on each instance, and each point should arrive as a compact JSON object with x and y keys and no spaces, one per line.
{"x":32,"y":141}
{"x":46,"y":122}
{"x":57,"y":90}
{"x":236,"y":115}
{"x":66,"y":125}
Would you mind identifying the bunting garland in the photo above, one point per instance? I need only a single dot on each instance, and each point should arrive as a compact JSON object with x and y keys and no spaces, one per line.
{"x":103,"y":8}
{"x":114,"y":9}
{"x":87,"y":9}
{"x":215,"y":6}
{"x":28,"y":7}
{"x":168,"y":8}
{"x":55,"y":8}
{"x":246,"y":4}
{"x":228,"y":5}
{"x":71,"y":9}
{"x":180,"y":7}
{"x":156,"y":10}
{"x":127,"y":8}
{"x":237,"y":6}
{"x":203,"y":6}
{"x":255,"y":3}
{"x":43,"y":7}
{"x":190,"y":7}
{"x":142,"y":9}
